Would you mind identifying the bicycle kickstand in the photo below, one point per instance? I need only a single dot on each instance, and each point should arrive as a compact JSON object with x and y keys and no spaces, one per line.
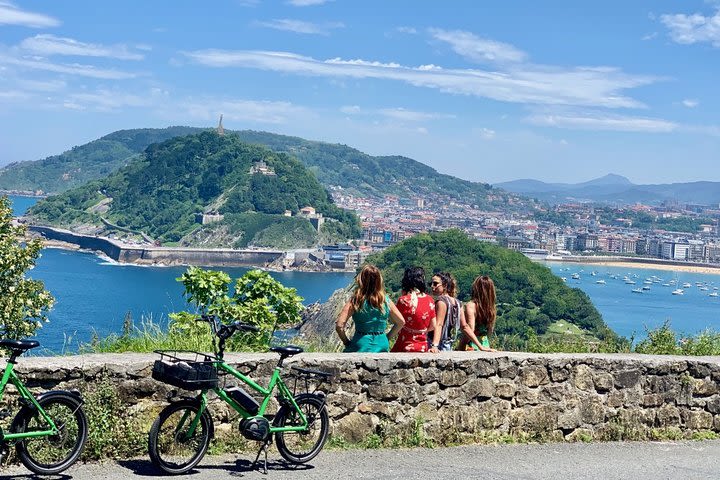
{"x":264,"y":450}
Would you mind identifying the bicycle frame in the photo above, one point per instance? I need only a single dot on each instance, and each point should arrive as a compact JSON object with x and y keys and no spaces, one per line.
{"x":275,"y":381}
{"x":9,"y":376}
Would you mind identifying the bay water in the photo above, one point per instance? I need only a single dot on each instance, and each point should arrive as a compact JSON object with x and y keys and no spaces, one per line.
{"x":94,"y":295}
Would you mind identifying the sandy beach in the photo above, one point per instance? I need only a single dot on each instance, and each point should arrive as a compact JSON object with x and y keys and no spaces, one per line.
{"x":649,"y":265}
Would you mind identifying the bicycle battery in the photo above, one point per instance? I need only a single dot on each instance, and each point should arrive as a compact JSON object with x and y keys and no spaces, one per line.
{"x":244,"y":399}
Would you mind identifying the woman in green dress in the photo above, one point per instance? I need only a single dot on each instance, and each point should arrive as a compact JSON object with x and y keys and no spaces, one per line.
{"x":370,"y":309}
{"x":478,"y":323}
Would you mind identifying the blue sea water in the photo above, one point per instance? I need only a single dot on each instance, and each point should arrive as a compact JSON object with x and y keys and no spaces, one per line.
{"x":629,"y":313}
{"x":95,"y":295}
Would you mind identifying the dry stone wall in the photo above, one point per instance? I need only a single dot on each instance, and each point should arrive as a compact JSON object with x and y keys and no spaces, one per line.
{"x":452,"y":396}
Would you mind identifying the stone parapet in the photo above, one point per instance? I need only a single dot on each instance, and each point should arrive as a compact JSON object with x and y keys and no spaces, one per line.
{"x":454,"y":395}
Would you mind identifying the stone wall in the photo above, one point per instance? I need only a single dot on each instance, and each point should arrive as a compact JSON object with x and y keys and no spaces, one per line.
{"x":456,"y":395}
{"x":161,"y":255}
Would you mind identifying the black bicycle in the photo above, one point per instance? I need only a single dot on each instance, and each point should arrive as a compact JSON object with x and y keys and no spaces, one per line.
{"x":182,"y":433}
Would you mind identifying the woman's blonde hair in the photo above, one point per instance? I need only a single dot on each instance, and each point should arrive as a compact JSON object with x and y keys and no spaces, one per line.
{"x":370,"y":287}
{"x":483,"y":294}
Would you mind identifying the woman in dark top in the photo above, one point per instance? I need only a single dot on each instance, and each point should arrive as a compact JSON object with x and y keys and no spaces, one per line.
{"x":448,"y":311}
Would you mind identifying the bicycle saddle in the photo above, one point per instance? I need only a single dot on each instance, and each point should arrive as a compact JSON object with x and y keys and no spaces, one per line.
{"x":287,"y":350}
{"x":20,"y":344}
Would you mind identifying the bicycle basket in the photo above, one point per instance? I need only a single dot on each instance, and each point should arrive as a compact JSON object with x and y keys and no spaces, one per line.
{"x":187,"y":370}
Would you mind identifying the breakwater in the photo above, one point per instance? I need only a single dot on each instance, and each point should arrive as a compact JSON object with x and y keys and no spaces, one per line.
{"x":145,"y":255}
{"x":453,"y":396}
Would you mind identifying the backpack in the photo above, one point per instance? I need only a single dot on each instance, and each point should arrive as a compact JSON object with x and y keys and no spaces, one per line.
{"x":452,"y":318}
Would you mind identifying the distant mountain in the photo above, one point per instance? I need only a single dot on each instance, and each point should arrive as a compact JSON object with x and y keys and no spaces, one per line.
{"x":83,"y":163}
{"x":243,"y":189}
{"x":334,"y":165}
{"x":616,"y":189}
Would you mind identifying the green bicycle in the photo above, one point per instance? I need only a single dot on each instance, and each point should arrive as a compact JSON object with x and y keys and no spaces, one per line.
{"x":50,"y":430}
{"x":181,"y":434}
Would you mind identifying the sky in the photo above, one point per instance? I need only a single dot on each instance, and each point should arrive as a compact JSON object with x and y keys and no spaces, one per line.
{"x":491,"y":91}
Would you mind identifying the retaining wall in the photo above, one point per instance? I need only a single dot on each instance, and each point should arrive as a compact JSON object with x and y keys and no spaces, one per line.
{"x":453,"y":395}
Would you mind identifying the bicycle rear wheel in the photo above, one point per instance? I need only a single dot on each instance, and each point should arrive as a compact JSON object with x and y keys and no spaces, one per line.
{"x":51,"y":454}
{"x":302,"y":446}
{"x":172,"y":447}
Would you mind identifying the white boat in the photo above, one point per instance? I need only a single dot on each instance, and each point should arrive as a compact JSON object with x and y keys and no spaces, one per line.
{"x":637,"y":290}
{"x":646,"y":287}
{"x":601,"y":282}
{"x":713,"y":294}
{"x":575,"y":276}
{"x":665,"y":284}
{"x":686,"y":285}
{"x":648,"y":282}
{"x":704,"y":289}
{"x":630,"y":282}
{"x":564,"y":279}
{"x":678,"y":291}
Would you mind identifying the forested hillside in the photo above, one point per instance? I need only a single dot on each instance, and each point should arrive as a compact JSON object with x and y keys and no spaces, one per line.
{"x":83,"y":163}
{"x":161,"y":191}
{"x":333,"y":164}
{"x":529,"y":296}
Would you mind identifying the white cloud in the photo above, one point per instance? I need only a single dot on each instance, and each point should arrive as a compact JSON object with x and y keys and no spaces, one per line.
{"x":579,"y":86}
{"x":12,"y":15}
{"x":478,"y":49}
{"x":48,"y":45}
{"x":104,"y":100}
{"x":299,"y":26}
{"x":307,"y":3}
{"x":351,"y":109}
{"x":486,"y":133}
{"x":410,"y":115}
{"x":600,"y":121}
{"x":650,"y":36}
{"x":690,"y":103}
{"x":239,"y":110}
{"x":70,"y":69}
{"x":408,"y":30}
{"x":695,"y":28}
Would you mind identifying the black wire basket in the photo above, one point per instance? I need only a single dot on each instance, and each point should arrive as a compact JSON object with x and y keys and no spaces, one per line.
{"x":186,"y":369}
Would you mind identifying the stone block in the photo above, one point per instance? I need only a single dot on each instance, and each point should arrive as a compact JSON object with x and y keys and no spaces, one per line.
{"x":713,"y":405}
{"x":697,"y":419}
{"x":355,"y":427}
{"x":668,"y":416}
{"x":583,"y":378}
{"x":627,"y":378}
{"x":698,"y":370}
{"x":592,"y":411}
{"x":479,"y":388}
{"x":603,"y":382}
{"x":653,"y":400}
{"x":704,"y":388}
{"x":452,"y":378}
{"x":533,"y":376}
{"x":527,"y":396}
{"x":505,"y":389}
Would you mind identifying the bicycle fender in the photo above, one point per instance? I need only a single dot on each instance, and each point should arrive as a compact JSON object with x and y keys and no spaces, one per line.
{"x":319,"y":397}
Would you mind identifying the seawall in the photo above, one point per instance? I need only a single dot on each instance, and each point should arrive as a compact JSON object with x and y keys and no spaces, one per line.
{"x":142,"y":255}
{"x":453,"y":396}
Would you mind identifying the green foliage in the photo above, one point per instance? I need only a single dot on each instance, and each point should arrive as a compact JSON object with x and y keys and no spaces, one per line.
{"x":258,"y":299}
{"x":271,"y":231}
{"x":664,"y":341}
{"x":84,"y":163}
{"x":161,"y":192}
{"x":529,"y":295}
{"x":112,"y":433}
{"x":23,"y":302}
{"x":645,"y":221}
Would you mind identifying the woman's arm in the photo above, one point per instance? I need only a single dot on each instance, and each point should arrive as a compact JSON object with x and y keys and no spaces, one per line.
{"x":440,"y":311}
{"x":397,"y":320}
{"x":467,"y":325}
{"x":341,"y":321}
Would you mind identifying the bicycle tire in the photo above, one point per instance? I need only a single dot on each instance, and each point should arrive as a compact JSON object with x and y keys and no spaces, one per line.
{"x":36,"y":454}
{"x":314,"y":409}
{"x":168,"y":446}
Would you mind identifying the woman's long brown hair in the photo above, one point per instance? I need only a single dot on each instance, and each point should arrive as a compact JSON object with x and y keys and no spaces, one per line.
{"x":483,"y":294}
{"x":369,"y":287}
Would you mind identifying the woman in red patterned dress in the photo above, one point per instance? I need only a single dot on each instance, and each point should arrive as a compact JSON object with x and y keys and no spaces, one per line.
{"x":418,"y":310}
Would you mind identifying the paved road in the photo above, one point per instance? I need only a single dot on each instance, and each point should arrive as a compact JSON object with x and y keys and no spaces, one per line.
{"x":606,"y":461}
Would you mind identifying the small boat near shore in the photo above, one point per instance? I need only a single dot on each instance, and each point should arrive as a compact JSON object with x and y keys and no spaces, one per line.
{"x":678,"y":291}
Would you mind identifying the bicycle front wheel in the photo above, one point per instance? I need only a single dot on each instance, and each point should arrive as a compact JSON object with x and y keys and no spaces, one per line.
{"x":177,"y":442}
{"x":303,"y":446}
{"x":51,"y":454}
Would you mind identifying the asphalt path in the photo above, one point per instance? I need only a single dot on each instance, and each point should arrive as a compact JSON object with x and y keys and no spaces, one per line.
{"x":606,"y":461}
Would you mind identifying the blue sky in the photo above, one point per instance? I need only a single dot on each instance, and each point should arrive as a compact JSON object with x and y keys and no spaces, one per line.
{"x":489,"y":91}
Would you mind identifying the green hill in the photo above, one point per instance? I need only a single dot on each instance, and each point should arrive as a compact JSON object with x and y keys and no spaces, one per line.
{"x":160,"y":193}
{"x":83,"y":163}
{"x":334,"y":165}
{"x":529,"y":296}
